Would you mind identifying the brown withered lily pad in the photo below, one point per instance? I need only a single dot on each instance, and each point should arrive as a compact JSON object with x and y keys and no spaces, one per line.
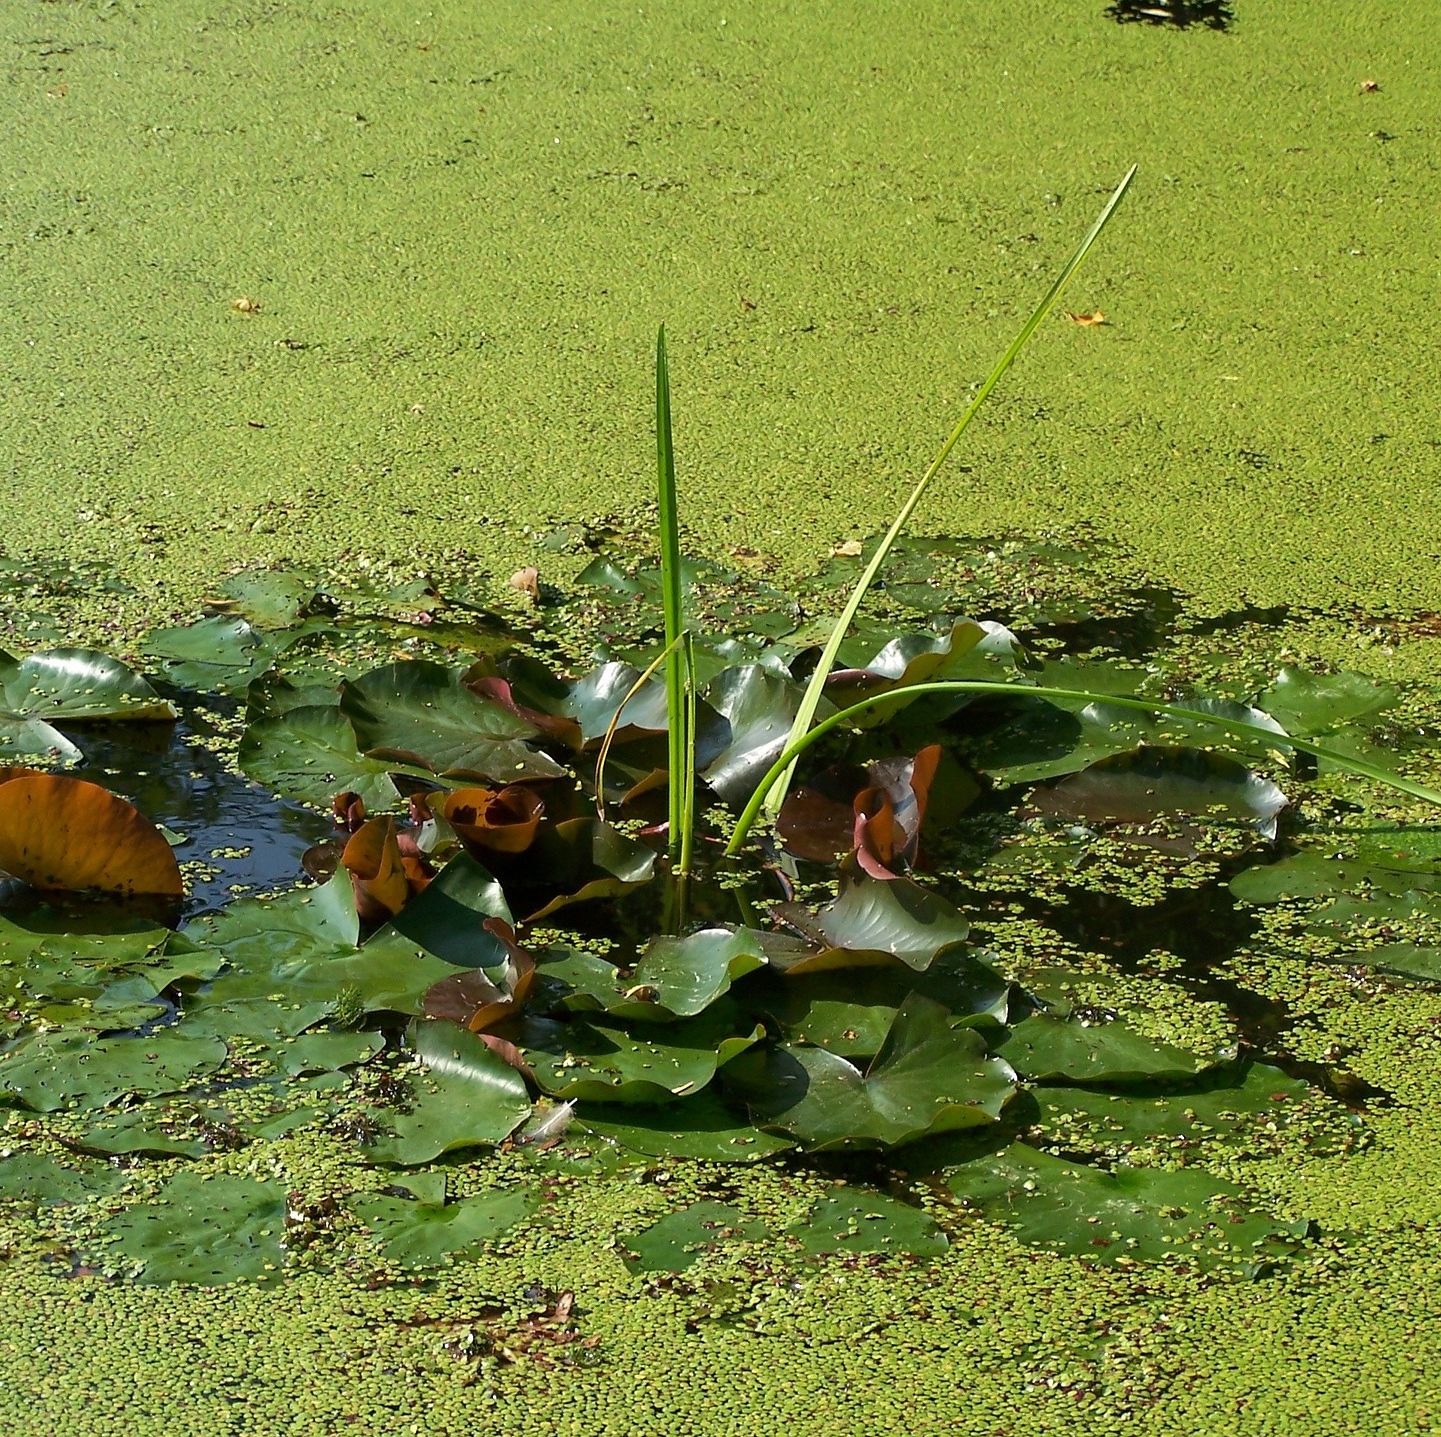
{"x":66,"y":835}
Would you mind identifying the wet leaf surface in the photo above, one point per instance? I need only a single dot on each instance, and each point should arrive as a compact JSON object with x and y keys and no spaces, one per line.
{"x":425,"y":1234}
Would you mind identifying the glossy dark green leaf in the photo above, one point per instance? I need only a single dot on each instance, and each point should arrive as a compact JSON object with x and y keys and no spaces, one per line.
{"x":1048,"y":1048}
{"x":758,"y":706}
{"x":704,"y":1128}
{"x":42,"y":1182}
{"x":205,"y":1230}
{"x":1143,"y":784}
{"x":1306,"y":703}
{"x":465,"y":1096}
{"x":873,"y":920}
{"x":78,"y":685}
{"x":604,"y":1061}
{"x":222,"y":654}
{"x":580,"y":860}
{"x":64,"y":1068}
{"x":448,"y":919}
{"x":421,"y":713}
{"x":927,"y":1078}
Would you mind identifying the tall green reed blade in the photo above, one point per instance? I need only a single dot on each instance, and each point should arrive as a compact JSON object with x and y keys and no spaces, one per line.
{"x":810,"y":701}
{"x":680,"y":751}
{"x":1235,"y":728}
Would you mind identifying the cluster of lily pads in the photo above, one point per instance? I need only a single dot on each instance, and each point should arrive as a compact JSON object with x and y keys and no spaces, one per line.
{"x":494,"y":920}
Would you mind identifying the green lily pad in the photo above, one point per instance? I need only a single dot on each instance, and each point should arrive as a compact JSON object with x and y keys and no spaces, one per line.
{"x":221,"y":654}
{"x":927,"y":1078}
{"x":874,"y":920}
{"x":1138,"y":786}
{"x":42,"y":1182}
{"x":424,"y":1234}
{"x":329,"y":1051}
{"x":602,"y":1061}
{"x":207,"y":1231}
{"x":310,"y":753}
{"x":421,"y":713}
{"x":583,"y":859}
{"x":1047,"y":1048}
{"x":271,"y":598}
{"x":686,"y":975}
{"x":466,"y":1097}
{"x":1306,"y":703}
{"x":759,"y":706}
{"x":78,"y":685}
{"x":64,"y":1069}
{"x":679,"y":1240}
{"x":1145,"y":1214}
{"x":849,"y":1012}
{"x":854,"y":1220}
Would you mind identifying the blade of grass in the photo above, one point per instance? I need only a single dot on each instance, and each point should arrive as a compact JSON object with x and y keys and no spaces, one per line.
{"x":810,"y":701}
{"x":679,"y":749}
{"x":1238,"y":727}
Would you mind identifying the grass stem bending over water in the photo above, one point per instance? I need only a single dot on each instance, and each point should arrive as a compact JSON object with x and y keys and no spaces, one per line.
{"x":1235,"y":727}
{"x":810,"y":701}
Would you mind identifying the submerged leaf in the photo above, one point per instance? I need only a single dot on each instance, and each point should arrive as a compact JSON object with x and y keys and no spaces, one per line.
{"x":423,"y":1234}
{"x":855,"y":1220}
{"x":680,"y":1240}
{"x":702,"y":1127}
{"x":1127,"y":1213}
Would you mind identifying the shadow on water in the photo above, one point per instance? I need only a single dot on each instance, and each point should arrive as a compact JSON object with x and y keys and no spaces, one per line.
{"x":1174,"y":14}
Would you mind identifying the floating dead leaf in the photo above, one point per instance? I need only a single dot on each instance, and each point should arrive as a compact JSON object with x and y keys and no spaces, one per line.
{"x":527,"y":582}
{"x":245,"y":305}
{"x":488,"y":820}
{"x":1089,"y":321}
{"x":848,"y":549}
{"x":377,"y":870}
{"x":1370,"y":87}
{"x":476,"y":1000}
{"x":64,"y":834}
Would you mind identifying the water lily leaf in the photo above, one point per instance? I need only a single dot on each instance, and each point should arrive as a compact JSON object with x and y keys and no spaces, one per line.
{"x":592,"y":702}
{"x":1386,"y":860}
{"x":461,"y":917}
{"x":491,"y":821}
{"x":853,"y":1220}
{"x":927,"y":1078}
{"x":904,"y":659}
{"x":850,"y":1012}
{"x":422,"y":1234}
{"x":422,"y":713}
{"x":271,"y":598}
{"x":64,"y":834}
{"x":1047,"y":1048}
{"x":688,"y":974}
{"x":874,"y":921}
{"x":681,"y":1239}
{"x":1306,"y":703}
{"x":758,"y":706}
{"x":203,"y":1230}
{"x":328,"y":1051}
{"x":310,"y":753}
{"x":77,"y":685}
{"x":221,"y":654}
{"x":1044,"y":740}
{"x":703,"y":1128}
{"x":42,"y":1182}
{"x":1126,"y":1213}
{"x":27,"y":740}
{"x":466,"y":1097}
{"x":63,"y":1069}
{"x":601,"y":1060}
{"x":1137,"y":787}
{"x":585,"y":859}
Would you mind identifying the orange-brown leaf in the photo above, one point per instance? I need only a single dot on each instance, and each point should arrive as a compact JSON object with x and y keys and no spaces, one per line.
{"x":495,"y":820}
{"x":377,"y":871}
{"x":62,"y":833}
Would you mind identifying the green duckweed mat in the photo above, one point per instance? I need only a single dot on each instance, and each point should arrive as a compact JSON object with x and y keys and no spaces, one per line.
{"x":455,"y":228}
